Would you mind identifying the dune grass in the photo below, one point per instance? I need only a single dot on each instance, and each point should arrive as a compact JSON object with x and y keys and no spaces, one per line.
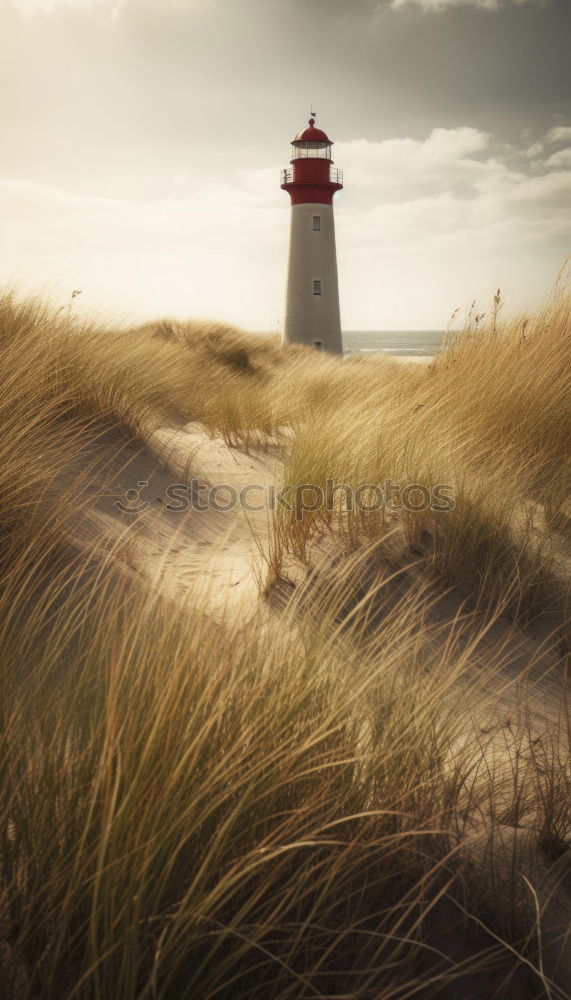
{"x":489,"y":418}
{"x":270,"y":807}
{"x":203,"y":812}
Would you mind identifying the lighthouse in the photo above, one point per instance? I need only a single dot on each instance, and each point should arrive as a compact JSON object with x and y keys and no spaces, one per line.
{"x":312,"y":292}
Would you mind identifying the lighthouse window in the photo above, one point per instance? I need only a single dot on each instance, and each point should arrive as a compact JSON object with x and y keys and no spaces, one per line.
{"x":317,"y":286}
{"x":317,"y":223}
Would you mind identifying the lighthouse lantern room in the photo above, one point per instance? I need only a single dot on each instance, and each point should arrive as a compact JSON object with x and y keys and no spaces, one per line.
{"x":312,"y":293}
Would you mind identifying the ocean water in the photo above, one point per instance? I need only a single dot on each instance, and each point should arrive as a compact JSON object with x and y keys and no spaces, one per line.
{"x":403,"y":342}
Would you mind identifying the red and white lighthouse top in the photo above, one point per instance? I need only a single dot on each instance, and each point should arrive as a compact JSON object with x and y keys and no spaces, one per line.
{"x":311,"y":177}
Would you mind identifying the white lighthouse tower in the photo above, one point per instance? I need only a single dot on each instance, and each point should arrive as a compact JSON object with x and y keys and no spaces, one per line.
{"x":312,"y":294}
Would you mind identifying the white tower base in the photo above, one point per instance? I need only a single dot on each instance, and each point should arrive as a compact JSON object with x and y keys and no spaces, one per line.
{"x":312,"y":294}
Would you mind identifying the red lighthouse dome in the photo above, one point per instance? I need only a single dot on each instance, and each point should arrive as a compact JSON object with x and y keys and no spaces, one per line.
{"x":312,"y":134}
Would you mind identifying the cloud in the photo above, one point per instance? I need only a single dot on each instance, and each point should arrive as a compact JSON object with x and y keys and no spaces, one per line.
{"x":171,"y":256}
{"x":560,"y":160}
{"x":561,"y":133}
{"x":397,"y":167}
{"x":30,"y":7}
{"x":438,"y":6}
{"x":534,"y":151}
{"x":426,"y":225}
{"x":423,"y":225}
{"x":449,"y":185}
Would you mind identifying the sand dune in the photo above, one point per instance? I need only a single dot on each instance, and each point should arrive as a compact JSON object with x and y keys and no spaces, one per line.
{"x":217,"y":554}
{"x":250,"y":724}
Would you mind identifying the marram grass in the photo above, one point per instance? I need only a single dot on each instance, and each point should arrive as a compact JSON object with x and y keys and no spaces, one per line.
{"x":269,"y":808}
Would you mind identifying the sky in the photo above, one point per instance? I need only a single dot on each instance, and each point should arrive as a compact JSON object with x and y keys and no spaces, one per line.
{"x":142,"y":142}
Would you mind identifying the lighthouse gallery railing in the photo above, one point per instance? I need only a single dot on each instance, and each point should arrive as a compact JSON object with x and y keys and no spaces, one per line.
{"x":335,"y":175}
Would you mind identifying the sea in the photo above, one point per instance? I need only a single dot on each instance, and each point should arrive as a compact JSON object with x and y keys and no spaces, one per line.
{"x":413,"y":343}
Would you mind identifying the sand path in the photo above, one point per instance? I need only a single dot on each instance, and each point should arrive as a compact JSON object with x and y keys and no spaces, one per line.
{"x":150,"y":509}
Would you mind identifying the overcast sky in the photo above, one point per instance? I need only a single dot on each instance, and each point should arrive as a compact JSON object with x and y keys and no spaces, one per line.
{"x":142,"y":142}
